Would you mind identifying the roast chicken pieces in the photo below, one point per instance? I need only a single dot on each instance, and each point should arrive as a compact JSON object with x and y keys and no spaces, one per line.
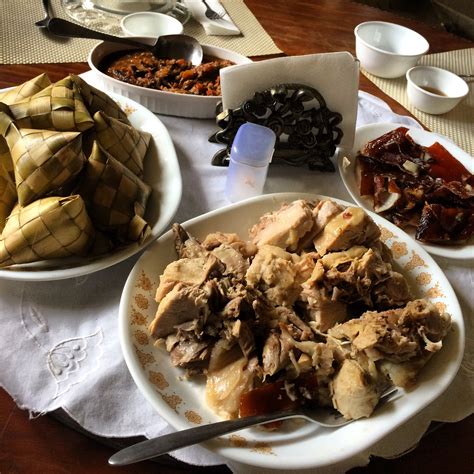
{"x":310,"y":304}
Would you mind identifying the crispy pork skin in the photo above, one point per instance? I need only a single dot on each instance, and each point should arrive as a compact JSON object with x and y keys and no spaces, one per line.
{"x":417,"y":186}
{"x":441,"y":224}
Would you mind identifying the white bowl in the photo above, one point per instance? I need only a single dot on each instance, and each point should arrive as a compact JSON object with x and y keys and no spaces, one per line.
{"x":388,"y":50}
{"x":150,"y":24}
{"x":434,"y":90}
{"x":161,"y":102}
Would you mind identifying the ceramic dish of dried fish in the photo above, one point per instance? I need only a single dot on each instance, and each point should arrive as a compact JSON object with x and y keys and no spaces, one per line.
{"x":86,"y":181}
{"x":419,"y":180}
{"x":175,"y":98}
{"x":264,"y":304}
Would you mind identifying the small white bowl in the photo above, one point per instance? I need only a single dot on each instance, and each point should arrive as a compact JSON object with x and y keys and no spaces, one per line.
{"x":388,"y":50}
{"x":150,"y":25}
{"x":434,"y":90}
{"x":160,"y":102}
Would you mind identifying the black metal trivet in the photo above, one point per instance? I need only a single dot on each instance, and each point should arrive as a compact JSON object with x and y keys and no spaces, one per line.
{"x":307,"y":132}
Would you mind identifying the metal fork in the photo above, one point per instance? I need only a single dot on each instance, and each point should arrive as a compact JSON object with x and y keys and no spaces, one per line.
{"x":152,"y":448}
{"x":44,"y":22}
{"x":210,"y":13}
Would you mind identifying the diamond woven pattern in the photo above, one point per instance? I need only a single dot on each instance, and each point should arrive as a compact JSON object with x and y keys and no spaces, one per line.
{"x":58,"y":107}
{"x":125,"y":143}
{"x":8,"y":196}
{"x":96,"y":100}
{"x":114,"y":195}
{"x":44,"y":160}
{"x":25,"y":90}
{"x":48,"y":228}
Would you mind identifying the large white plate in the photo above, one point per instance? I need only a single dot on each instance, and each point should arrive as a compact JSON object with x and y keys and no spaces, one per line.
{"x":297,"y":445}
{"x":161,"y":172}
{"x":370,"y":132}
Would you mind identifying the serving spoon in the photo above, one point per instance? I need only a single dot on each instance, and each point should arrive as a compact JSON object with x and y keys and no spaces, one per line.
{"x":44,"y":22}
{"x":166,"y":47}
{"x":151,"y":448}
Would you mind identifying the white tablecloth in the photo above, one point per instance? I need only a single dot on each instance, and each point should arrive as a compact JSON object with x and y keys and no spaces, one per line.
{"x":59,"y":344}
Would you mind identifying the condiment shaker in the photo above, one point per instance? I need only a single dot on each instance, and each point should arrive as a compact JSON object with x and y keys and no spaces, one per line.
{"x":251,"y":153}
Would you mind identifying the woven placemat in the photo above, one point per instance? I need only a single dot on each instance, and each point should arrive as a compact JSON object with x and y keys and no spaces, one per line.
{"x":23,"y":43}
{"x":458,"y":124}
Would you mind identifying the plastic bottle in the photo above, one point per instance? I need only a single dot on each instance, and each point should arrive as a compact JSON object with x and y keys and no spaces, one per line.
{"x":251,"y":153}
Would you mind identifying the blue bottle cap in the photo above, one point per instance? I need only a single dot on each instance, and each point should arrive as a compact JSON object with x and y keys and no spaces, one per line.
{"x":253,"y":145}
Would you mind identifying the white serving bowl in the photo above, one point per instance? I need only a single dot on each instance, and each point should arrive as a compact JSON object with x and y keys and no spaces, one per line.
{"x":388,"y":50}
{"x":150,"y":24}
{"x":434,"y":90}
{"x":161,"y":102}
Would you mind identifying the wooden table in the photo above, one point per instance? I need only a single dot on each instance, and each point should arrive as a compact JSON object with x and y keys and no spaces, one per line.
{"x":47,"y":445}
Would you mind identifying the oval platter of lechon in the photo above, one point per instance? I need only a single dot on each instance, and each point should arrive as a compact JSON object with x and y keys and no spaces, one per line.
{"x":140,"y":196}
{"x":417,"y":179}
{"x":267,"y":300}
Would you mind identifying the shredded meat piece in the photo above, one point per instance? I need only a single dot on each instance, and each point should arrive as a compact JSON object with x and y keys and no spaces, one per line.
{"x":186,"y":245}
{"x":190,"y":271}
{"x":355,"y":395}
{"x":183,"y":303}
{"x":322,"y":310}
{"x":396,"y":335}
{"x":350,"y":227}
{"x":359,"y":274}
{"x":323,"y":212}
{"x":235,"y":263}
{"x":273,"y":271}
{"x":271,"y":352}
{"x":190,"y":354}
{"x":284,"y":228}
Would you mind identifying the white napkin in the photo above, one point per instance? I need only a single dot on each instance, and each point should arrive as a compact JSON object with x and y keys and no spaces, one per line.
{"x":224,"y":26}
{"x":334,"y":75}
{"x":371,"y":109}
{"x":59,"y":343}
